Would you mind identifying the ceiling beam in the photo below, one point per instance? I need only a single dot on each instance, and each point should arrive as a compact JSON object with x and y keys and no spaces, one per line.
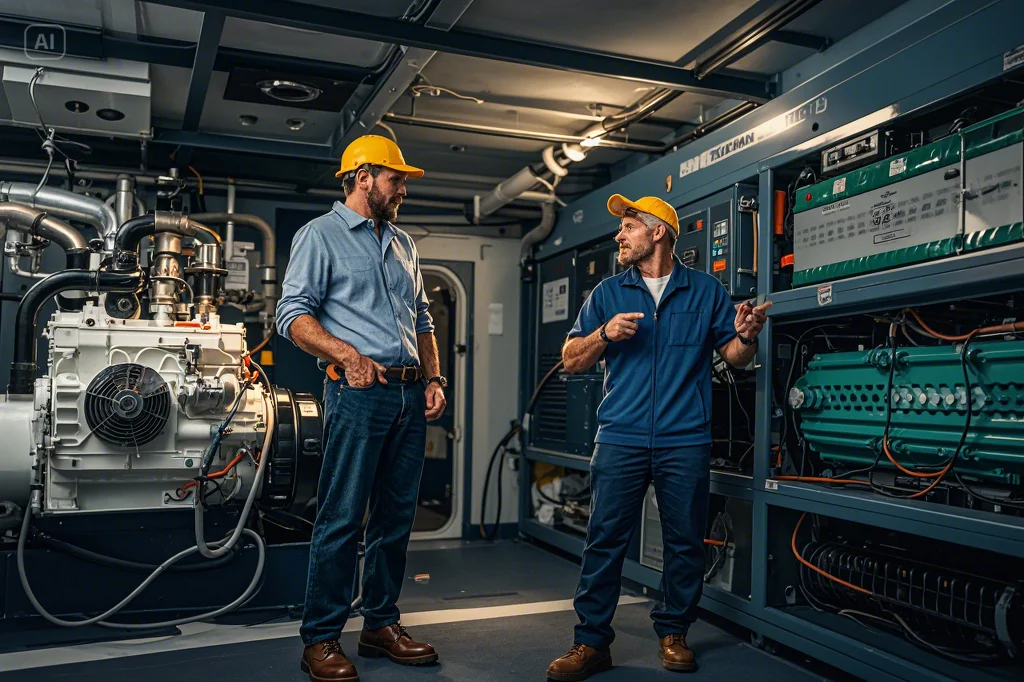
{"x":816,"y":43}
{"x":473,"y":44}
{"x":746,"y":33}
{"x":202,"y":69}
{"x":363,"y":118}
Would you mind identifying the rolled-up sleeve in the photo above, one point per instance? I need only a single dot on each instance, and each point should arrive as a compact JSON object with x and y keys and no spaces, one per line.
{"x":306,"y":279}
{"x":424,"y":322}
{"x":591,"y":315}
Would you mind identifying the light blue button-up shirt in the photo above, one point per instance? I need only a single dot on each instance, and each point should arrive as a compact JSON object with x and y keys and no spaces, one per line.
{"x":368,"y":292}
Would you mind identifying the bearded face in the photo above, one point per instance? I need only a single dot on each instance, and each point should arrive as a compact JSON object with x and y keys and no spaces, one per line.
{"x":635,"y":241}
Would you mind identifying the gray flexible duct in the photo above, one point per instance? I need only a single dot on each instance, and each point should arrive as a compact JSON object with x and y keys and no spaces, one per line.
{"x":539,"y":233}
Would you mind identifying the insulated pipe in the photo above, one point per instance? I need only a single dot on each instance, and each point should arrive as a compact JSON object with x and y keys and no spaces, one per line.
{"x":203,"y":233}
{"x":23,"y":368}
{"x":67,"y":205}
{"x":505,"y":192}
{"x":128,"y":237}
{"x":539,"y":233}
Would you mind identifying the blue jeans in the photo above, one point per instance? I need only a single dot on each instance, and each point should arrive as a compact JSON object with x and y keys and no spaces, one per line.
{"x":619,"y":479}
{"x":374,"y":441}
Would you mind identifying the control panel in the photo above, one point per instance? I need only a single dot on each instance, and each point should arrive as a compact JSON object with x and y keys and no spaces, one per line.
{"x":717,"y":235}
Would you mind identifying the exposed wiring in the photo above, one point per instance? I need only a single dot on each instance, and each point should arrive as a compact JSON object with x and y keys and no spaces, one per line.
{"x":435,"y":91}
{"x":814,"y":568}
{"x":262,"y":344}
{"x":198,"y":177}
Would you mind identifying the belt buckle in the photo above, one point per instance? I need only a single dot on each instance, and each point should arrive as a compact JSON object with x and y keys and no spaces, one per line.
{"x":404,"y":368}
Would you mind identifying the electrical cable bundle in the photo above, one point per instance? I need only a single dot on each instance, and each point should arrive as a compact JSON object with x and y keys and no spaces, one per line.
{"x":965,"y":618}
{"x":501,"y":449}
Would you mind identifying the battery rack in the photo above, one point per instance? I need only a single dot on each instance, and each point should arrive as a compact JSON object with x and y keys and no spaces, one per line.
{"x":877,"y":523}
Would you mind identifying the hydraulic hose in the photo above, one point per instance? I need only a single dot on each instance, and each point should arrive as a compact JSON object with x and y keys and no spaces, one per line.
{"x":23,"y":368}
{"x":131,"y":234}
{"x":219,"y":549}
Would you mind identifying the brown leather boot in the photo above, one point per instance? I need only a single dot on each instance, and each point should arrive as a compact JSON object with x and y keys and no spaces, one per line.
{"x":395,"y":643}
{"x":676,"y":655}
{"x":326,"y":662}
{"x":581,"y":662}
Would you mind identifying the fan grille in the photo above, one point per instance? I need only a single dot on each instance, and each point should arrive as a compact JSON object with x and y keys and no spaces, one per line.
{"x":127,"y":405}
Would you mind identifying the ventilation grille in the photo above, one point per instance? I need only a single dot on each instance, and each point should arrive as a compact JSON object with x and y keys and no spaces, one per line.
{"x":551,"y":410}
{"x":127,"y":405}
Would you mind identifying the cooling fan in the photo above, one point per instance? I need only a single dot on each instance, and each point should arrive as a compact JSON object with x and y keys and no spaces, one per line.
{"x":127,"y":404}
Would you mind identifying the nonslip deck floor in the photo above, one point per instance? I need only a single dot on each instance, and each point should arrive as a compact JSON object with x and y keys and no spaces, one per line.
{"x":494,"y":612}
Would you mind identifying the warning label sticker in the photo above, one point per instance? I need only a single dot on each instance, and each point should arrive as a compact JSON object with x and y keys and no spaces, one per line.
{"x":1013,"y":58}
{"x":897,"y":166}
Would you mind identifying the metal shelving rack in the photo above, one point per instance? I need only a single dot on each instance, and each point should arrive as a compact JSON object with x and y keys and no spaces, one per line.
{"x":952,"y":33}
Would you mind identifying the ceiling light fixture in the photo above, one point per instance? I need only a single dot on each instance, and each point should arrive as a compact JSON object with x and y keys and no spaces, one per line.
{"x":247,"y":119}
{"x":288,"y":91}
{"x":295,"y":123}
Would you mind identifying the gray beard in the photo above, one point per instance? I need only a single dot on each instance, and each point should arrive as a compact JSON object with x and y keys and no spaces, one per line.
{"x":635,"y":255}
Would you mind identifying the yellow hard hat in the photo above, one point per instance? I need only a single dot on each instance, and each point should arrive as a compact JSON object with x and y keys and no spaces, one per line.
{"x":377,"y":150}
{"x":618,"y":204}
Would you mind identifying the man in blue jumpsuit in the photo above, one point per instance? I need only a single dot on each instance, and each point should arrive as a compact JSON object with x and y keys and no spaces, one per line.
{"x":656,"y":325}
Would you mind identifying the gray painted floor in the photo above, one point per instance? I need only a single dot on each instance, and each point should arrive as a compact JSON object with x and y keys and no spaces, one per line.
{"x":511,"y":647}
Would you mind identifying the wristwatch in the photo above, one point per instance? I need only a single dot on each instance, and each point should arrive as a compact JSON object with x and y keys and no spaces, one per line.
{"x":747,"y":342}
{"x":439,"y":380}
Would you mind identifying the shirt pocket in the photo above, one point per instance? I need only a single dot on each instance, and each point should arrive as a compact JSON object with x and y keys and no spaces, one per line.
{"x":405,"y":282}
{"x":355,"y":264}
{"x":686,"y":328}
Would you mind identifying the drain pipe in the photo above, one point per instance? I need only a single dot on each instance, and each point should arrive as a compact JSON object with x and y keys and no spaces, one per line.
{"x":526,"y":179}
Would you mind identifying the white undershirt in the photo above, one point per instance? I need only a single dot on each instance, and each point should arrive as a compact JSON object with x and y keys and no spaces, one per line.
{"x":657,"y":286}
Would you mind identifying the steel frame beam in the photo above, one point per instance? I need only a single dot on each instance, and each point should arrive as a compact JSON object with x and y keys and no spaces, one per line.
{"x":402,"y":74}
{"x":473,"y":44}
{"x":202,"y":69}
{"x":811,"y":42}
{"x":746,"y":33}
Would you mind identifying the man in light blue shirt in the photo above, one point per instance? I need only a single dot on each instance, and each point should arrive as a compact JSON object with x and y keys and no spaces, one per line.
{"x":353,"y":297}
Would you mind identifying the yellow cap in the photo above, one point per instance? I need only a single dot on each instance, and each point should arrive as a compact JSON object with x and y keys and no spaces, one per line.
{"x":618,"y":204}
{"x":377,"y":150}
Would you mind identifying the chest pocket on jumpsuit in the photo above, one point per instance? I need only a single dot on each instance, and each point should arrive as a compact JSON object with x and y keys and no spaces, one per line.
{"x":687,"y":334}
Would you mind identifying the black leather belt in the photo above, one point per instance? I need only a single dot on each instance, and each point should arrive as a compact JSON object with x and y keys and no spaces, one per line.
{"x":404,"y":373}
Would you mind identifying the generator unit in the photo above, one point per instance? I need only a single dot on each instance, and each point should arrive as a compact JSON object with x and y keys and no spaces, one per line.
{"x":717,"y":236}
{"x":955,"y":195}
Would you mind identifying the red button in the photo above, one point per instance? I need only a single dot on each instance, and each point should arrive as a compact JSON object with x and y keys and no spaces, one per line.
{"x":808,"y":196}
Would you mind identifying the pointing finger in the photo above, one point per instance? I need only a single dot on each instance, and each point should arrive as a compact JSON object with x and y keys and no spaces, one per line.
{"x":632,"y":316}
{"x":764,"y":306}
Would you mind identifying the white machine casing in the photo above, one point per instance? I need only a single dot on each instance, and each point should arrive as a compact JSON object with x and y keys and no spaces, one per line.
{"x":193,"y":378}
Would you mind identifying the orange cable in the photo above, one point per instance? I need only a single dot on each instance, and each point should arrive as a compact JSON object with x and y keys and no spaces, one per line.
{"x":814,"y":568}
{"x":716,"y":543}
{"x":220,"y":474}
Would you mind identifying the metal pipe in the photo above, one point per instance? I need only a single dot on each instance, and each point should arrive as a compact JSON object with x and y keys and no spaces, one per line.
{"x":507,"y":191}
{"x":67,"y":205}
{"x":125,"y":201}
{"x":268,"y":268}
{"x":458,"y":126}
{"x":28,"y":220}
{"x":23,"y":368}
{"x":714,"y":124}
{"x":269,"y":254}
{"x":229,"y":247}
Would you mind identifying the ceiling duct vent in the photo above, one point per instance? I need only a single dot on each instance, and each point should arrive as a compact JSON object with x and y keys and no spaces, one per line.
{"x":110,"y":99}
{"x":262,"y":86}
